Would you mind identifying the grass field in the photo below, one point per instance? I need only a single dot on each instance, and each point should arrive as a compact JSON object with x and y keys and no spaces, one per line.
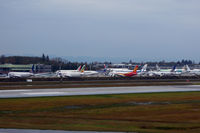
{"x":145,"y":113}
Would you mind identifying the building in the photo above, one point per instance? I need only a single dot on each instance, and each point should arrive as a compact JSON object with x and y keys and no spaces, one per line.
{"x":38,"y":68}
{"x":41,"y":68}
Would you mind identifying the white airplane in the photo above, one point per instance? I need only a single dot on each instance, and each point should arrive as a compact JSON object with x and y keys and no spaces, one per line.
{"x":125,"y":72}
{"x":162,"y":72}
{"x":175,"y":70}
{"x":71,"y":73}
{"x":21,"y":74}
{"x":193,"y":71}
{"x":45,"y":75}
{"x":115,"y":71}
{"x":89,"y":72}
{"x":143,"y":71}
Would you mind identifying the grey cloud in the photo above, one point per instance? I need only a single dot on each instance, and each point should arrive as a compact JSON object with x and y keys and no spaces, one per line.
{"x":146,"y":29}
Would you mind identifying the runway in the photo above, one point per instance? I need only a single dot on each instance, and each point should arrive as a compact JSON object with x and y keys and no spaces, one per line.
{"x":94,"y":91}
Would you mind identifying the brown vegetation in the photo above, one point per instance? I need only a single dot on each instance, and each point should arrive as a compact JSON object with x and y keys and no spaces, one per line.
{"x":151,"y":113}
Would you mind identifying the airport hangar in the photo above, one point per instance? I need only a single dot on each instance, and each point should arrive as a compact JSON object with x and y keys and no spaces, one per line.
{"x":39,"y":68}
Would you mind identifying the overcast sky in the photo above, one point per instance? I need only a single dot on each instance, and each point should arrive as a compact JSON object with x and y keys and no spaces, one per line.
{"x":141,"y":30}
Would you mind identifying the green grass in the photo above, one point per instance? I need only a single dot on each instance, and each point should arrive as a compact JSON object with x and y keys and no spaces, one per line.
{"x":177,"y":112}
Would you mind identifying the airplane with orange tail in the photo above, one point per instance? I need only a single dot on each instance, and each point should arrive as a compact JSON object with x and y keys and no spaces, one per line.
{"x":125,"y":74}
{"x":71,"y":73}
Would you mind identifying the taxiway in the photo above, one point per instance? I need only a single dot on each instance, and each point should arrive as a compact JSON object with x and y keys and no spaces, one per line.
{"x":94,"y":91}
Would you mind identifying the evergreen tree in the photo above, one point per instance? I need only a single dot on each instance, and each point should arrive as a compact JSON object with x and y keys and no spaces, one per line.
{"x":47,"y":58}
{"x":43,"y":58}
{"x":2,"y":59}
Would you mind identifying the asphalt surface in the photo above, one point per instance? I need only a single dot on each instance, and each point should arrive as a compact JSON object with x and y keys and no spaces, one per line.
{"x":94,"y":91}
{"x":46,"y":131}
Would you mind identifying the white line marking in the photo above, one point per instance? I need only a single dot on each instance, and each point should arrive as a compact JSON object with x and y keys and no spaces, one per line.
{"x":13,"y":90}
{"x":42,"y":93}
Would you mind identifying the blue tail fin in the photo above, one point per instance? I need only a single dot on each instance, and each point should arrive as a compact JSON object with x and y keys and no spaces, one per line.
{"x":174,"y":67}
{"x":33,"y":68}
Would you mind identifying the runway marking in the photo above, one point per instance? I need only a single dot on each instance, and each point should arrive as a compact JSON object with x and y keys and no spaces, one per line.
{"x":94,"y":91}
{"x":13,"y":90}
{"x":42,"y":93}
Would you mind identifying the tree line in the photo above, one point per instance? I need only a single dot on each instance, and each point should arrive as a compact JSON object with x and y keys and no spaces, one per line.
{"x":60,"y":63}
{"x":56,"y":63}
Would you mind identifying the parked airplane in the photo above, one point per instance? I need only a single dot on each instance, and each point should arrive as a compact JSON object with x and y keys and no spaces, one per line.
{"x":193,"y":71}
{"x":89,"y":72}
{"x":123,"y":72}
{"x":129,"y":74}
{"x":118,"y":69}
{"x":21,"y":74}
{"x":143,"y":71}
{"x":162,"y":72}
{"x":111,"y":71}
{"x":71,"y":73}
{"x":114,"y":71}
{"x":45,"y":75}
{"x":174,"y":69}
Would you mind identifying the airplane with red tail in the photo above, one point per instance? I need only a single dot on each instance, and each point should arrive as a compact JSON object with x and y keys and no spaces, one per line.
{"x":129,"y":74}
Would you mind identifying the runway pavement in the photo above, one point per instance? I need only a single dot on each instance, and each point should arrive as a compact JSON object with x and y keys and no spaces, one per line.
{"x":94,"y":91}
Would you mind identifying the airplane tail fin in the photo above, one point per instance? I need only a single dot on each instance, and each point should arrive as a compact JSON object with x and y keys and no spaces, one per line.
{"x":157,"y":67}
{"x":135,"y":69}
{"x":33,"y":68}
{"x":83,"y":68}
{"x":173,"y":69}
{"x":144,"y":68}
{"x":184,"y":68}
{"x":79,"y":68}
{"x":187,"y":68}
{"x":105,"y":68}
